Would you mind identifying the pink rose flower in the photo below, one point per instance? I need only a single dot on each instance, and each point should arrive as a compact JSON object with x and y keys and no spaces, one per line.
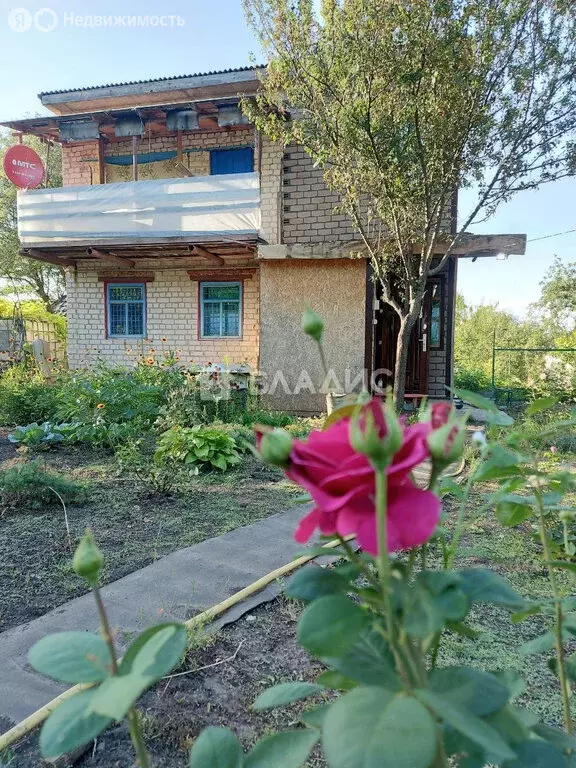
{"x":342,"y":484}
{"x":440,"y":413}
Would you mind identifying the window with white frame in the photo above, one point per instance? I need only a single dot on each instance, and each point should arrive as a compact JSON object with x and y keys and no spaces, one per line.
{"x":220,"y":310}
{"x":126,"y":309}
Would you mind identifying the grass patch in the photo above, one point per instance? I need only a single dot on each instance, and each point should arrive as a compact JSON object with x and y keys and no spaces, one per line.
{"x":514,"y":554}
{"x":133,"y":526}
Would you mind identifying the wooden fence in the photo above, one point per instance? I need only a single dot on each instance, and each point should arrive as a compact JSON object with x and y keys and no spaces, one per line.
{"x":42,"y":335}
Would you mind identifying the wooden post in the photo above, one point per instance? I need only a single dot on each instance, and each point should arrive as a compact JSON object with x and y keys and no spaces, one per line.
{"x":179,"y":153}
{"x":47,"y":175}
{"x":101,"y":162}
{"x":134,"y":158}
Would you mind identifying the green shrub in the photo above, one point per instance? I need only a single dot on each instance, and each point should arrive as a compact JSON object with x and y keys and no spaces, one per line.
{"x":159,"y":471}
{"x":206,"y":447}
{"x":29,"y":485}
{"x":269,"y":418}
{"x":26,"y":398}
{"x":190,"y":404}
{"x":472,"y":379}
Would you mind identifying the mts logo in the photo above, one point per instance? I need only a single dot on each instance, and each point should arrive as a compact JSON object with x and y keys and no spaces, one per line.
{"x":24,"y":164}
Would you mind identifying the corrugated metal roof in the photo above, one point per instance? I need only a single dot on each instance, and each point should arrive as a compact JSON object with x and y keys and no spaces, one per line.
{"x":152,"y":80}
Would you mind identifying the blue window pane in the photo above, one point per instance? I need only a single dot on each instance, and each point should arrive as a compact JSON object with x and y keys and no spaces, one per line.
{"x":117,"y":319}
{"x":231,"y":161}
{"x":217,"y":292}
{"x":211,"y":319}
{"x":230,"y":318}
{"x":126,"y":292}
{"x":135,"y":319}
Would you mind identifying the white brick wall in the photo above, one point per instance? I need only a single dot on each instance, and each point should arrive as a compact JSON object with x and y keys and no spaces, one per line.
{"x":172,"y":313}
{"x":308,"y":205}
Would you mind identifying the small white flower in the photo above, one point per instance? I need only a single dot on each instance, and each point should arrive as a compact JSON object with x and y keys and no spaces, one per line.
{"x":479,"y":438}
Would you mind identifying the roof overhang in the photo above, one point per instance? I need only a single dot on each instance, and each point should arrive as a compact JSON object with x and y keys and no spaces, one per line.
{"x":156,"y":120}
{"x":157,"y":91}
{"x":128,"y":253}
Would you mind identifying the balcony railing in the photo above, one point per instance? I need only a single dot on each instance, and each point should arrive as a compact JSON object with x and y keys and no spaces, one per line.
{"x":143,"y":211}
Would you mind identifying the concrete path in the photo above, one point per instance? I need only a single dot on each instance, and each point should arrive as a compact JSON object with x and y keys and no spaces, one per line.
{"x":172,"y":589}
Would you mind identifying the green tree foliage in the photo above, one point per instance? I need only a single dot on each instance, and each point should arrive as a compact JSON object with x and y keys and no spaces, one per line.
{"x":17,"y":273}
{"x":35,"y":310}
{"x":558,"y":299}
{"x":401,"y":103}
{"x":477,"y":327}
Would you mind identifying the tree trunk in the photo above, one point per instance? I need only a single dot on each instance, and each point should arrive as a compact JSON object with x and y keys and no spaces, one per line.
{"x":407,"y":324}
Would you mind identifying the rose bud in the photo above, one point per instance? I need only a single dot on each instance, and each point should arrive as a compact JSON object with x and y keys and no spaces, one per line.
{"x":312,"y":324}
{"x":376,"y":433}
{"x":446,"y":444}
{"x":275,"y":447}
{"x":88,"y":560}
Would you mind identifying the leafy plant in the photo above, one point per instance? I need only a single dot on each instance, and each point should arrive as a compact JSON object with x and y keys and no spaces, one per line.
{"x":376,"y":621}
{"x":159,"y":471}
{"x":29,"y":485}
{"x":26,"y":397}
{"x":206,"y":447}
{"x":114,"y":685}
{"x":38,"y":435}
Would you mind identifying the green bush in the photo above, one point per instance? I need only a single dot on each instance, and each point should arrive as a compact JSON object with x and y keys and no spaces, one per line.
{"x":26,"y":397}
{"x":29,"y":485}
{"x":159,"y":471}
{"x":205,"y":447}
{"x":472,"y":379}
{"x":269,"y":418}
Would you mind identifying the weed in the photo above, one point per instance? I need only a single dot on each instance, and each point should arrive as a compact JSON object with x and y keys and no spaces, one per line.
{"x":29,"y":485}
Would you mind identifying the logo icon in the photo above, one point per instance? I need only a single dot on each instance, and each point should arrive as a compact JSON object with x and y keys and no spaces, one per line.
{"x":45,"y":20}
{"x":19,"y":19}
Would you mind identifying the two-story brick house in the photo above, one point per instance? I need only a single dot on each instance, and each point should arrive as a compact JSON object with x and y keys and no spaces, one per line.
{"x":181,"y":227}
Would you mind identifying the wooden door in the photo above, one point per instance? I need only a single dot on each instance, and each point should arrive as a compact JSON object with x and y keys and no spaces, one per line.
{"x":386,"y":330}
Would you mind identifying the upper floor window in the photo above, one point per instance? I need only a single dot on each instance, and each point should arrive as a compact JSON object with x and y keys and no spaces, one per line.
{"x":126,"y":309}
{"x":220,"y":310}
{"x":231,"y":161}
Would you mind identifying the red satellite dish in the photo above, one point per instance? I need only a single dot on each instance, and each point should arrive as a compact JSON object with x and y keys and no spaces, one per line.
{"x":23,"y":167}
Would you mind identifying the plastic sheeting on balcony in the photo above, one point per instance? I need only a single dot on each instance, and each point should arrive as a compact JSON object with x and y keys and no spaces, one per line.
{"x":186,"y":209}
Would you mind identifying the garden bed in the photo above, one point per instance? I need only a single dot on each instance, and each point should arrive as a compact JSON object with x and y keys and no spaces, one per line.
{"x":229,"y":669}
{"x":133,"y":526}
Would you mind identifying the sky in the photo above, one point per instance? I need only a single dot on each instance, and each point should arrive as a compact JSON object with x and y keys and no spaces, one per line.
{"x":55,"y":44}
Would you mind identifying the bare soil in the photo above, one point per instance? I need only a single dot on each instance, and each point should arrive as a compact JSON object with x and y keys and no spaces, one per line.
{"x":133,"y":525}
{"x":257,"y":651}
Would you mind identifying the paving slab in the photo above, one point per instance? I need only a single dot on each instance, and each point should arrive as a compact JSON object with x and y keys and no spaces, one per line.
{"x":173,"y":588}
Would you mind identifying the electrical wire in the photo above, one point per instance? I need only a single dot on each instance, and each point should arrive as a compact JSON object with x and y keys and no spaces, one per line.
{"x":547,"y":237}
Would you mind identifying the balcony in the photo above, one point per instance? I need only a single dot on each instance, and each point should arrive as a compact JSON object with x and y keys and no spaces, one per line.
{"x":197,"y":209}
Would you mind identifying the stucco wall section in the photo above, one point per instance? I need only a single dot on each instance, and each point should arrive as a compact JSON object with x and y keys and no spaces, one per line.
{"x":336,"y":289}
{"x":172,"y":313}
{"x":308,"y":205}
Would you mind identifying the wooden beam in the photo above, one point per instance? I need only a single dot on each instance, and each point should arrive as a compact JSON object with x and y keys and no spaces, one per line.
{"x":509,"y":244}
{"x":49,"y":258}
{"x":111,"y":257}
{"x":197,"y":250}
